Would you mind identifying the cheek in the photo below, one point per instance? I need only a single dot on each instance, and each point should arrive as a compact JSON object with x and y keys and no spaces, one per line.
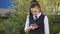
{"x":33,"y":11}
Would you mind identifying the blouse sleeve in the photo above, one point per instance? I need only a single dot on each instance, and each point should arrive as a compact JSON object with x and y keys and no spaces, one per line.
{"x":46,"y":25}
{"x":27,"y":23}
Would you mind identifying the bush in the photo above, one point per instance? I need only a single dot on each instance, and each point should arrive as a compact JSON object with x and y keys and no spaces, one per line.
{"x":14,"y":24}
{"x":15,"y":21}
{"x":55,"y":28}
{"x":54,"y":22}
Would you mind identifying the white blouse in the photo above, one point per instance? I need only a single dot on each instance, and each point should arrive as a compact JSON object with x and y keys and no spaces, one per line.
{"x":46,"y":24}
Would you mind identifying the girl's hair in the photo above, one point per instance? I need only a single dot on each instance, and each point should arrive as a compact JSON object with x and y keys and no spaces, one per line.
{"x":34,"y":3}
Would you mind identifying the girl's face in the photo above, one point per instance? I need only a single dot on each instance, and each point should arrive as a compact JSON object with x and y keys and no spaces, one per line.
{"x":35,"y":10}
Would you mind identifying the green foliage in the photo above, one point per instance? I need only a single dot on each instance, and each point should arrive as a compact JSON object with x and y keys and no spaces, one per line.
{"x":55,"y":28}
{"x":14,"y":24}
{"x":15,"y":21}
{"x":54,"y":22}
{"x":54,"y":18}
{"x":46,"y":5}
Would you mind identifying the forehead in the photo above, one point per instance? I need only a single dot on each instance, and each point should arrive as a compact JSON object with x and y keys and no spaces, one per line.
{"x":35,"y":7}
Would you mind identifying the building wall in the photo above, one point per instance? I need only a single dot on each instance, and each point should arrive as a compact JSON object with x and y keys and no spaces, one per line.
{"x":6,"y":6}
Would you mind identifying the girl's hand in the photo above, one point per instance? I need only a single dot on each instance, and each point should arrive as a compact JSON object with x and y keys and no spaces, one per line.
{"x":34,"y":26}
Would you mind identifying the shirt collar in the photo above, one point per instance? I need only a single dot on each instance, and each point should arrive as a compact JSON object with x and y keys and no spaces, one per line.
{"x":37,"y":15}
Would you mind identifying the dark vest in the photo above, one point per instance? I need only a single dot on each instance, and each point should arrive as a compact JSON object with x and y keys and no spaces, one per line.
{"x":39,"y":22}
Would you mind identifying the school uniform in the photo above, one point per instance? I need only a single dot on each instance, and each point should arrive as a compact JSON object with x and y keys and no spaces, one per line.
{"x":41,"y":21}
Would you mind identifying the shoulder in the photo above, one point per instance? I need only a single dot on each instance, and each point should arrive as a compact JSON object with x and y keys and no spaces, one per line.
{"x":27,"y":16}
{"x":45,"y":18}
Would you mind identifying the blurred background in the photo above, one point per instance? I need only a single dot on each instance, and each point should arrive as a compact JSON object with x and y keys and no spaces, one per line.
{"x":13,"y":15}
